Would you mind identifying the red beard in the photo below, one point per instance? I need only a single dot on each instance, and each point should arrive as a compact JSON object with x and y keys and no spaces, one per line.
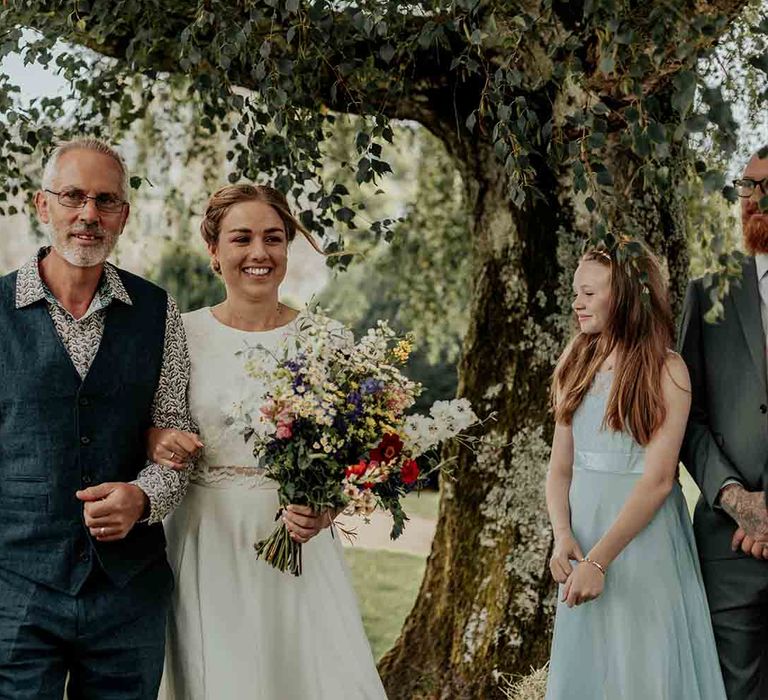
{"x":756,"y":234}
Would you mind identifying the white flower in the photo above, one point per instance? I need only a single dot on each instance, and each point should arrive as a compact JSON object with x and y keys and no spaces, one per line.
{"x":351,"y":491}
{"x":446,"y":420}
{"x":367,"y":502}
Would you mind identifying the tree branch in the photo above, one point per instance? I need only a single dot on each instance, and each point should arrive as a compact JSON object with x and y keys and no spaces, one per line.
{"x":398,"y":73}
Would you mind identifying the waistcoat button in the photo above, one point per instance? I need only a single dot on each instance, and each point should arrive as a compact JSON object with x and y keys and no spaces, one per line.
{"x":83,"y":401}
{"x":85,"y":440}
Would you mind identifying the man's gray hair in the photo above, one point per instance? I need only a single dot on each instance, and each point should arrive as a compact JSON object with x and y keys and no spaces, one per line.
{"x":84,"y":144}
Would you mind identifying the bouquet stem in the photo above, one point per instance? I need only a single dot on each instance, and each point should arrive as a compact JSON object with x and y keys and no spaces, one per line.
{"x":280,"y":551}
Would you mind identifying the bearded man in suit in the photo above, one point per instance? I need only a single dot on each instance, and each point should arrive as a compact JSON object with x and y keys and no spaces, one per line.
{"x":726,"y":448}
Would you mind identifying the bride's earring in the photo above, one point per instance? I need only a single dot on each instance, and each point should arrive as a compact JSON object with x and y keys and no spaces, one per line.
{"x":216,"y":265}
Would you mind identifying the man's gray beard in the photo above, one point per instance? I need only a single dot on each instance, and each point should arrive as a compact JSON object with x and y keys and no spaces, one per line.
{"x":76,"y":255}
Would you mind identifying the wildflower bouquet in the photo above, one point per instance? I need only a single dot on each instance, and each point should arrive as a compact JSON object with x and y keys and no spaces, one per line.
{"x":332,"y":428}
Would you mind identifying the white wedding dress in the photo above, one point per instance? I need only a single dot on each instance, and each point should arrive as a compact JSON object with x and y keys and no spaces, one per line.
{"x":239,"y":629}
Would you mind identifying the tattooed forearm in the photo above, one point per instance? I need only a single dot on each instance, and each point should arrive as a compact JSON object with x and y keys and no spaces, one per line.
{"x":748,"y":509}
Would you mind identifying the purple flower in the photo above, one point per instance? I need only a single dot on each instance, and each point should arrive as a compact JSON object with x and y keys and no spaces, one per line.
{"x":296,"y":363}
{"x":355,"y":400}
{"x":371,"y":386}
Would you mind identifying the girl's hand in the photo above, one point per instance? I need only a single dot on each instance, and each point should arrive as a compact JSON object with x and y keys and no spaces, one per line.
{"x":172,"y":448}
{"x":566,"y":549}
{"x":584,"y":584}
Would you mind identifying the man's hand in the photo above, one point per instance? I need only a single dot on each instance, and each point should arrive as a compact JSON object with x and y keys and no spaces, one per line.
{"x":748,"y":509}
{"x":112,"y":509}
{"x":303,"y":523}
{"x":740,"y":540}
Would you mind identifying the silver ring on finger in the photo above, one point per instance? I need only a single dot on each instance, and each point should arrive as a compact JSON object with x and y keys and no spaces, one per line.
{"x":173,"y":456}
{"x":102,"y":530}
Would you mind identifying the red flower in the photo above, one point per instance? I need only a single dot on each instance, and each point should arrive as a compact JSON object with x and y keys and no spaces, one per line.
{"x":376,"y":455}
{"x":391,"y":445}
{"x":409,"y":472}
{"x":357,"y":469}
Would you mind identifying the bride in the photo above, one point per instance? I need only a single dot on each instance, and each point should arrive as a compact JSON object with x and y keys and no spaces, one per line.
{"x":239,"y":628}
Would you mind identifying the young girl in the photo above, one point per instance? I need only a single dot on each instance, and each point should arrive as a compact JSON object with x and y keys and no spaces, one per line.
{"x":632,"y":621}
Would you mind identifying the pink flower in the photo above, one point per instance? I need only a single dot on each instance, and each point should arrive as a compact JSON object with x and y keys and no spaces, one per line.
{"x":284,"y":431}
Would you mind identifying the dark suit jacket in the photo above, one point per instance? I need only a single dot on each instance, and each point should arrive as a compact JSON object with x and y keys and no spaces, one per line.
{"x":727,"y":434}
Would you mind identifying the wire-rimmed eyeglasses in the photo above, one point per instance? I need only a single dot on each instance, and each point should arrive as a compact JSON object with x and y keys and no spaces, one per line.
{"x":77,"y":199}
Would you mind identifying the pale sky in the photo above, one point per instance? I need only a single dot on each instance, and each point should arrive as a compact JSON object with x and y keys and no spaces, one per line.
{"x":34,"y":80}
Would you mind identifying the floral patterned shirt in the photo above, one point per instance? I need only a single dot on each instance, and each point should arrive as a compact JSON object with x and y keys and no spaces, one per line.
{"x":81,"y":337}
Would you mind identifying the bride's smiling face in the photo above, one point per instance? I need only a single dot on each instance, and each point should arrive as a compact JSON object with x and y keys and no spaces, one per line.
{"x":252,"y":250}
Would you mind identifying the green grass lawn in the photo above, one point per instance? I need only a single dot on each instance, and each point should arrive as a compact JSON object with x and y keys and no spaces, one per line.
{"x":386,"y":584}
{"x":422,"y":505}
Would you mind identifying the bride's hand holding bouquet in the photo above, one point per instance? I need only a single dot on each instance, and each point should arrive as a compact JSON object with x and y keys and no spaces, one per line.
{"x":332,"y":428}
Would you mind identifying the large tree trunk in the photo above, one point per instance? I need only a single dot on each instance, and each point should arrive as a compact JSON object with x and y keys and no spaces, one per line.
{"x":484,"y":611}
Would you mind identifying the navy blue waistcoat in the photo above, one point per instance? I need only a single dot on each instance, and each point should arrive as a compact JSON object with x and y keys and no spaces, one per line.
{"x":59,"y":433}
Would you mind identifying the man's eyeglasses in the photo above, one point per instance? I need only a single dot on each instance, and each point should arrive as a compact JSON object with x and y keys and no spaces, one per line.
{"x":745,"y":187}
{"x":77,"y":199}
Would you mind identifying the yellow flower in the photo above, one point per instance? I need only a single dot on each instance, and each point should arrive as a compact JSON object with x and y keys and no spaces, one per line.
{"x":402,"y":350}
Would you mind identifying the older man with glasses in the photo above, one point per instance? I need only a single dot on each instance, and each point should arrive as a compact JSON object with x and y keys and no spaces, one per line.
{"x":90,"y":357}
{"x":726,"y":448}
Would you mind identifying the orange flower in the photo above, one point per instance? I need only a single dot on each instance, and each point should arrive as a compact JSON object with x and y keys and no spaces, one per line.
{"x":357,"y":469}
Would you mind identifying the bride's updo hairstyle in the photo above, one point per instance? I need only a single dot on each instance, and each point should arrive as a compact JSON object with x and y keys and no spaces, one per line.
{"x":641,"y":328}
{"x":224,"y":198}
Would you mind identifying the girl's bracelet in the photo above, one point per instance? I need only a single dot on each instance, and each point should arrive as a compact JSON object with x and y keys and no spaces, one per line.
{"x":599,"y":567}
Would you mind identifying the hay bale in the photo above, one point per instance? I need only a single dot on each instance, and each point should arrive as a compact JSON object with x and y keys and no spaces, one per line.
{"x":530,"y":687}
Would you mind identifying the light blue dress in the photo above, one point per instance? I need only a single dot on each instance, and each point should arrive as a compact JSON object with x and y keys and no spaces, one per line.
{"x":649,"y":635}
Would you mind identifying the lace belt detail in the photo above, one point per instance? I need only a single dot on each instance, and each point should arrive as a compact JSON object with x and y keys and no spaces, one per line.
{"x":225,"y":476}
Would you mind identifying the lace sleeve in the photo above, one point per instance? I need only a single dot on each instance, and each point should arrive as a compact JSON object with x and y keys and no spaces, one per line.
{"x":170,"y":409}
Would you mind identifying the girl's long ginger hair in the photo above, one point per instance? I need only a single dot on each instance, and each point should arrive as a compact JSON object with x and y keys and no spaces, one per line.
{"x":641,"y":328}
